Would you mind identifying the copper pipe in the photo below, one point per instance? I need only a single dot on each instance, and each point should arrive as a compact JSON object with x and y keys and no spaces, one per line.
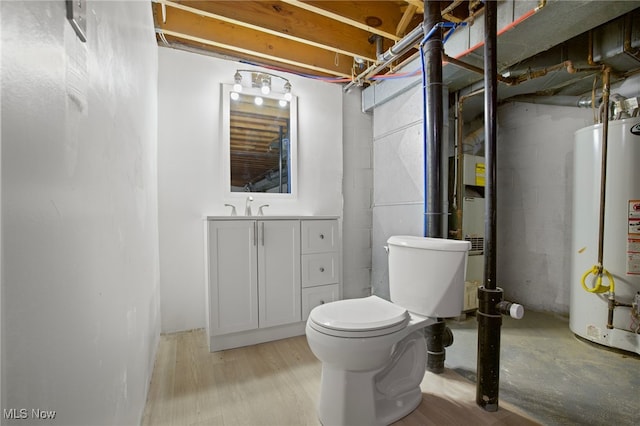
{"x":606,"y":74}
{"x":459,"y":162}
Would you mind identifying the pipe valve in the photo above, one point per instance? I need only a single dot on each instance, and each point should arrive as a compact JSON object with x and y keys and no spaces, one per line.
{"x":514,"y":310}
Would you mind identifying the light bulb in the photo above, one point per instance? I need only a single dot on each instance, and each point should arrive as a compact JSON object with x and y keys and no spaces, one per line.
{"x":288,"y":96}
{"x":237,"y":78}
{"x":235,"y":96}
{"x":258,"y":100}
{"x":265,"y":89}
{"x":283,"y":103}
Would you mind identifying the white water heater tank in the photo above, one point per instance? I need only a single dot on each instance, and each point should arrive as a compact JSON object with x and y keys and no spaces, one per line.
{"x":621,"y":250}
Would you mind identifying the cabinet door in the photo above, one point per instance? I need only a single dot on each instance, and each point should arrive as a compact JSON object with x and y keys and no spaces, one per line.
{"x":279,"y":272}
{"x":233,"y":276}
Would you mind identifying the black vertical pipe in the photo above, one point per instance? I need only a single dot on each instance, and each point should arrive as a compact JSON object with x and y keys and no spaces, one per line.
{"x":489,"y":295}
{"x":434,"y":121}
{"x":490,"y":102}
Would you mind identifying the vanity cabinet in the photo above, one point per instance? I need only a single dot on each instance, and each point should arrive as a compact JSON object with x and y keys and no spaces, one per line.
{"x":265,"y":275}
{"x":254,"y":274}
{"x":320,"y":264}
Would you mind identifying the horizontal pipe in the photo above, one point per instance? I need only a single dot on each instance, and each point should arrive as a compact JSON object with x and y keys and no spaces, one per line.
{"x":569,"y":101}
{"x":401,"y":46}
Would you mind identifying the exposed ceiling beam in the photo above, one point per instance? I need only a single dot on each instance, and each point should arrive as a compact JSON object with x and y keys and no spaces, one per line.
{"x":340,"y":18}
{"x":354,"y":52}
{"x":419,"y":5}
{"x":253,"y":53}
{"x":407,"y":16}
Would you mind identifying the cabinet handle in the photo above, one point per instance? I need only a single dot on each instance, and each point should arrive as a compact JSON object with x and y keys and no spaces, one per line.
{"x":262,"y":236}
{"x":321,"y":269}
{"x":322,"y":236}
{"x":254,"y":237}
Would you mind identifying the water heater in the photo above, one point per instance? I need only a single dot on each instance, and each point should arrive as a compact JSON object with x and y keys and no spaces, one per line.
{"x":590,"y":312}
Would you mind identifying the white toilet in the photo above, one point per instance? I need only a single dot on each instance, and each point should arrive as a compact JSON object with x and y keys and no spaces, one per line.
{"x":373,"y":352}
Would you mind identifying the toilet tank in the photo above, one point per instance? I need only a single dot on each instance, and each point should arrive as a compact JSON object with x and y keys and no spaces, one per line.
{"x":426,"y":275}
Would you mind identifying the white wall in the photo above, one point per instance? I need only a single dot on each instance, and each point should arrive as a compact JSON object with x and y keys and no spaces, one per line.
{"x":534,"y":196}
{"x":79,"y":211}
{"x":358,"y":193}
{"x":534,"y":199}
{"x":189,"y":164}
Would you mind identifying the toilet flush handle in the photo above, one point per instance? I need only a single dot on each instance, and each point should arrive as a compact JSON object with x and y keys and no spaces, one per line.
{"x":386,"y":248}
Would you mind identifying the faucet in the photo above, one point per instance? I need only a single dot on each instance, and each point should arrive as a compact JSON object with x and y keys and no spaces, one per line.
{"x":247,"y":208}
{"x":260,"y":212}
{"x":233,"y":209}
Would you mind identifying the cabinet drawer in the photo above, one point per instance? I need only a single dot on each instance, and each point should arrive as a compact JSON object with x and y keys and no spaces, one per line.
{"x":319,"y":269}
{"x":319,"y":236}
{"x":315,"y":296}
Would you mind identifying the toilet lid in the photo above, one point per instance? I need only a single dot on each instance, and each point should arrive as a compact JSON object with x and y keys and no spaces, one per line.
{"x":365,"y":314}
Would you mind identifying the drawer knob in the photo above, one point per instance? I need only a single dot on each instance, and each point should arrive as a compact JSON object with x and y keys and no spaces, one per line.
{"x":321,"y":269}
{"x":322,"y":302}
{"x":322,"y":236}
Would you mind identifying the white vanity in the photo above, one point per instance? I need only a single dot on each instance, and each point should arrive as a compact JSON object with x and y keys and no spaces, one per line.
{"x":266,"y":273}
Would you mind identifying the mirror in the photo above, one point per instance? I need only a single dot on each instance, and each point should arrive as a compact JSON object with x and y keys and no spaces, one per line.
{"x":260,"y":141}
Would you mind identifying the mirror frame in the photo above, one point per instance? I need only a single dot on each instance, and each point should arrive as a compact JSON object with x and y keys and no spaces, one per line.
{"x":226,"y":142}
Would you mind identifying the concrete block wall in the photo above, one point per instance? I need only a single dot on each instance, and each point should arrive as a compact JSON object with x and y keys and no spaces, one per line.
{"x":357,"y":190}
{"x":398,"y":178}
{"x":534,"y":197}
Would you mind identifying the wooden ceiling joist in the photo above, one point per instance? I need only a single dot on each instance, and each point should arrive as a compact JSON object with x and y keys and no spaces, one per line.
{"x":340,"y":18}
{"x":352,"y":44}
{"x":251,"y":53}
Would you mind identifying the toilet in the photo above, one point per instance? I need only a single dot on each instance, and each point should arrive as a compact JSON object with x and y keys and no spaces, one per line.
{"x":373,"y":351}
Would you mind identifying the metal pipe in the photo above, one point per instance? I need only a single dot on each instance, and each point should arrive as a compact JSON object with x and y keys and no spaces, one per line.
{"x":434,"y":121}
{"x":478,"y":70}
{"x":490,"y":100}
{"x":404,"y":44}
{"x":570,"y":101}
{"x":603,"y":165}
{"x":489,"y":296}
{"x":459,"y":161}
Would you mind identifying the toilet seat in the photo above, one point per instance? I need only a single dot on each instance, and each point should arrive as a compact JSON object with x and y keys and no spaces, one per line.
{"x":365,"y":317}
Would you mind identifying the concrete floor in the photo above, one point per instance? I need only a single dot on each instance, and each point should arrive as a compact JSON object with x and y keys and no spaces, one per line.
{"x":552,"y":375}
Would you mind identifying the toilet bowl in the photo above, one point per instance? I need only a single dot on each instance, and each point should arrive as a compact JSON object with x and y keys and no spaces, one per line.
{"x":373,"y":351}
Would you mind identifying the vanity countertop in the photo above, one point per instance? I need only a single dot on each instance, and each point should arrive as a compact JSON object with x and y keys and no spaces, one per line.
{"x":270,"y":217}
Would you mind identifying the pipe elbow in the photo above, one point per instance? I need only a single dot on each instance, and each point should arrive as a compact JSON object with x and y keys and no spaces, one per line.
{"x":570,"y":67}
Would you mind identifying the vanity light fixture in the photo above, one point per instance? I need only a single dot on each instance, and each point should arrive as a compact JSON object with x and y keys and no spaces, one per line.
{"x":237,"y":87}
{"x":266,"y":85}
{"x":264,"y":81}
{"x":287,"y":92}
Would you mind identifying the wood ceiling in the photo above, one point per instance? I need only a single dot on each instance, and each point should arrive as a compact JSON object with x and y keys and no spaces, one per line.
{"x":318,"y":38}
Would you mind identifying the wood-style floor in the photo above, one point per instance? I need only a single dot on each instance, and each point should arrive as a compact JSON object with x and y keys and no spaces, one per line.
{"x":277,"y":383}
